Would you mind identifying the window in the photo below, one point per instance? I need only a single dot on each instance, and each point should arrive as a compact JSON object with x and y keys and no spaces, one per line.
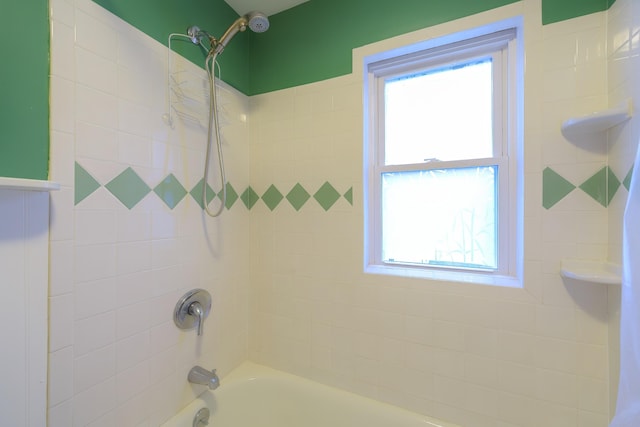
{"x":441,"y":161}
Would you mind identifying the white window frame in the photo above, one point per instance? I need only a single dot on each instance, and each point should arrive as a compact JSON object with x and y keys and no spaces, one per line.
{"x":503,"y":43}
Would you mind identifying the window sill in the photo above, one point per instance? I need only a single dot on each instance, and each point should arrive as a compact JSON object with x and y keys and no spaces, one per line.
{"x":446,"y":276}
{"x":28,"y":184}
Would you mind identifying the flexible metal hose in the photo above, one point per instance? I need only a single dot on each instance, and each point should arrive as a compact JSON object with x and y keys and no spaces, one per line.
{"x":213,"y":126}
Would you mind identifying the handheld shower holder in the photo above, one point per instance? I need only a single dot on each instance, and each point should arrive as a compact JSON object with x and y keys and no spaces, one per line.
{"x":195,"y":34}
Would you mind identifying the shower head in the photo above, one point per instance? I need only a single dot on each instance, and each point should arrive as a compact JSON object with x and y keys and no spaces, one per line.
{"x":256,"y":21}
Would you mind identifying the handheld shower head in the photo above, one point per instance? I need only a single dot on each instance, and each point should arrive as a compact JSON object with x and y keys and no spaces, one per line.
{"x":256,"y":21}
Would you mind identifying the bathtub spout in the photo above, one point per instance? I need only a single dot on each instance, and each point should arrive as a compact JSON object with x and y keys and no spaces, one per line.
{"x":199,"y":375}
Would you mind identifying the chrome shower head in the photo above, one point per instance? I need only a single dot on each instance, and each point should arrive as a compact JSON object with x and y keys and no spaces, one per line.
{"x":257,"y":21}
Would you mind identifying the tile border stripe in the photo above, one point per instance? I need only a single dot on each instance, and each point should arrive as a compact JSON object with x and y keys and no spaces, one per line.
{"x":129,"y":189}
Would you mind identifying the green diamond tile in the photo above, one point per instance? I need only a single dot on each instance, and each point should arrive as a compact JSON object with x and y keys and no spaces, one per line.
{"x":196,"y":193}
{"x":249,"y":197}
{"x":272,"y":197}
{"x":326,"y":196}
{"x":554,"y":188}
{"x":84,"y":184}
{"x":613,"y":184}
{"x":170,"y":191}
{"x":232,"y":196}
{"x":627,"y":179}
{"x":349,"y":196}
{"x":298,"y":196}
{"x":128,"y":187}
{"x":596,"y":187}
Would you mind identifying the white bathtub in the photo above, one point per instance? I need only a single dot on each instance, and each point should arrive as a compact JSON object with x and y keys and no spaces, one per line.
{"x":257,"y":396}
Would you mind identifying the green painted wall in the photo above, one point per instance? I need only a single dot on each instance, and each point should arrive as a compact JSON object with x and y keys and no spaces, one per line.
{"x":313,"y":41}
{"x":559,"y":10}
{"x":24,"y":89}
{"x":159,"y":18}
{"x":308,"y":43}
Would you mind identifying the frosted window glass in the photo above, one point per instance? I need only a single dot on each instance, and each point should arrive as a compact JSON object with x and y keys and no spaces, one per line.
{"x":444,"y":114}
{"x":441,"y":217}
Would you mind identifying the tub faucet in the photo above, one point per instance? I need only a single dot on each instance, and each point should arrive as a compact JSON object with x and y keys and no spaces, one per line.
{"x":199,"y":375}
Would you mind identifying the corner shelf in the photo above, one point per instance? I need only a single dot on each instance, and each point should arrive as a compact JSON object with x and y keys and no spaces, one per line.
{"x":28,"y":184}
{"x":591,"y":271}
{"x":597,"y":122}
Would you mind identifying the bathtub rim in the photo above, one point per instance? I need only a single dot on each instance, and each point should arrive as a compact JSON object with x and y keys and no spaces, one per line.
{"x":248,"y":371}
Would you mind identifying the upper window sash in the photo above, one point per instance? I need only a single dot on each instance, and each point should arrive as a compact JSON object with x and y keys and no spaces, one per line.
{"x":454,"y":52}
{"x":499,"y":63}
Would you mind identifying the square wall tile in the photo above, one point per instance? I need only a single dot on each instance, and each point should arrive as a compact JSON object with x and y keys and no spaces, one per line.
{"x":61,"y":314}
{"x":132,"y":350}
{"x":96,"y":142}
{"x":94,"y":333}
{"x":94,"y":368}
{"x":62,"y":158}
{"x":60,"y":381}
{"x":60,"y":415}
{"x":95,"y":71}
{"x":94,"y":262}
{"x":96,"y":36}
{"x":62,"y":104}
{"x":95,"y":107}
{"x":62,"y":49}
{"x":95,"y":402}
{"x":61,"y":278}
{"x":93,"y":298}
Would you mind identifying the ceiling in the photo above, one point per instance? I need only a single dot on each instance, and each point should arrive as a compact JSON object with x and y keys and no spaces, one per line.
{"x":268,"y":7}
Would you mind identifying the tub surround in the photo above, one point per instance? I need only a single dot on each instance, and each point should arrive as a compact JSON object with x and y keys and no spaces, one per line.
{"x":472,"y":355}
{"x":286,"y":278}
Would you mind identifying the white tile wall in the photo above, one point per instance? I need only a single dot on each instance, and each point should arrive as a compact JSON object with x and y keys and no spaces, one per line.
{"x":475,"y":355}
{"x":470,"y":354}
{"x":116,"y":358}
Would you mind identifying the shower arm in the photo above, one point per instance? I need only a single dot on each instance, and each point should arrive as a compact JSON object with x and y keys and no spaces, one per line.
{"x":240,"y":25}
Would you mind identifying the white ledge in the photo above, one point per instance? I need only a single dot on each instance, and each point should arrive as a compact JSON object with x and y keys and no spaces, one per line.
{"x":591,"y":271}
{"x":28,"y":184}
{"x":597,"y":122}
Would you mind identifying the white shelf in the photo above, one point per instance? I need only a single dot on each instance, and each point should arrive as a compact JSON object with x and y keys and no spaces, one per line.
{"x":596,"y":122}
{"x":28,"y":184}
{"x":591,"y":271}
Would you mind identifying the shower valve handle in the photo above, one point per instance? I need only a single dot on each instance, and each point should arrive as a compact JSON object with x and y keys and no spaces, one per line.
{"x":196,"y":310}
{"x":192,"y":309}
